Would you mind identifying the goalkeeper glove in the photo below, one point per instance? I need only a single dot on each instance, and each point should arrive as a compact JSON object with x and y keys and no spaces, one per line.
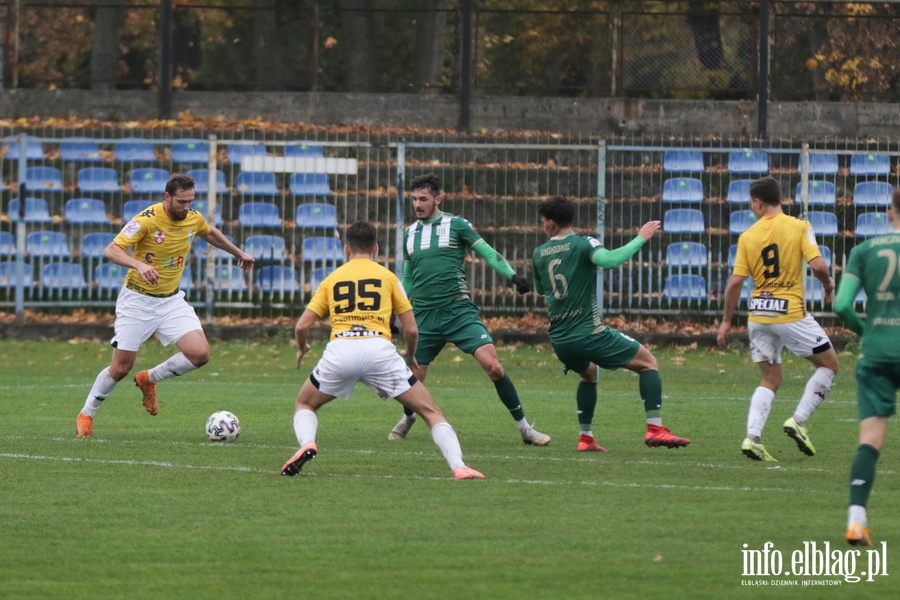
{"x":521,"y":284}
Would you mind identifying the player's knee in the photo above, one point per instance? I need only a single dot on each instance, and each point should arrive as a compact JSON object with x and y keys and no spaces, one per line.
{"x":495,"y":371}
{"x":198,"y":359}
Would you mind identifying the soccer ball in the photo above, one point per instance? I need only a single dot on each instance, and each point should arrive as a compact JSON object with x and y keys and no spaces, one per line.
{"x":222,"y":426}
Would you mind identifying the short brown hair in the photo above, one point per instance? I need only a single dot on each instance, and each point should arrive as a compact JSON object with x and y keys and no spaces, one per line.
{"x":430,"y":181}
{"x":362,"y":236}
{"x":766,"y":189}
{"x":178,"y":182}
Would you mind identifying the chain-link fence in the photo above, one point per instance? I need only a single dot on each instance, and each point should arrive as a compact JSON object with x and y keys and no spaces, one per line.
{"x":286,"y":198}
{"x":640,"y":48}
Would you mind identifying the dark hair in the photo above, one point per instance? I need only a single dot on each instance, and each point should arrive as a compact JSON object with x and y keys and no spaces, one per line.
{"x":362,"y":236}
{"x":178,"y":182}
{"x":430,"y":181}
{"x":559,"y":210}
{"x":766,"y":189}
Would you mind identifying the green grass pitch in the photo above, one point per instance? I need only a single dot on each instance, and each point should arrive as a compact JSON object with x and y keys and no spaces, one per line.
{"x":150,"y":509}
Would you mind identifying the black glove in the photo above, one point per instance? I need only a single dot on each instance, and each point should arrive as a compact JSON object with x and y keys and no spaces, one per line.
{"x":521,"y":284}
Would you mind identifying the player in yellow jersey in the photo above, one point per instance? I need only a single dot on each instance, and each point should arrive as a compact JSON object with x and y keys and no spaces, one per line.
{"x":361,"y":296}
{"x":774,"y":252}
{"x":150,"y":301}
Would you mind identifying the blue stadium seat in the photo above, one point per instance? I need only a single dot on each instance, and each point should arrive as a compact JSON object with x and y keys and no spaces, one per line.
{"x":823,"y":164}
{"x":86,"y":211}
{"x":869,"y":224}
{"x":80,"y":149}
{"x":202,"y":207}
{"x":7,"y":244}
{"x":201,"y":181}
{"x":279,"y":279}
{"x":34,"y":148}
{"x":821,"y":193}
{"x":323,"y":249}
{"x":825,"y":251}
{"x":683,"y":161}
{"x":732,"y":255}
{"x":303,"y":149}
{"x":870,"y":165}
{"x":94,"y":244}
{"x":36,"y":210}
{"x":259,"y":214}
{"x":148,"y":180}
{"x":229,"y":278}
{"x":316,"y":215}
{"x":682,"y":190}
{"x":740,"y":221}
{"x":873,"y":193}
{"x":686,"y":254}
{"x":685,"y":287}
{"x":256,"y":183}
{"x":266,"y":247}
{"x":132,"y":208}
{"x":98,"y":179}
{"x":747,"y":289}
{"x":310,"y":184}
{"x":109,"y":276}
{"x":823,"y":223}
{"x":47,"y":244}
{"x":683,"y":220}
{"x":815,"y":291}
{"x":318,"y":275}
{"x":238,"y":151}
{"x":8,"y":274}
{"x":200,"y":247}
{"x":748,"y":162}
{"x":861,"y":297}
{"x":63,"y":276}
{"x":186,"y":283}
{"x":43,"y":179}
{"x":134,"y":150}
{"x":190,"y":151}
{"x":739,"y":191}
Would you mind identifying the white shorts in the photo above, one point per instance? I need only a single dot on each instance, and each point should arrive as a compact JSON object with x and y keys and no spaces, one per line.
{"x":373,"y":361}
{"x":803,"y":338}
{"x":138,"y":317}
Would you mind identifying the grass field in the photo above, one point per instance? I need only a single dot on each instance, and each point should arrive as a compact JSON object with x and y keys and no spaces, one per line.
{"x":150,"y":509}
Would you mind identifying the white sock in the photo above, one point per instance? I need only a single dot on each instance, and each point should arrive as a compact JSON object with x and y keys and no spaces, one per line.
{"x":760,"y":405}
{"x":817,"y":388}
{"x":306,"y":423}
{"x":857,"y":514}
{"x":103,"y":387}
{"x":445,"y":439}
{"x":654,"y":421}
{"x":523,"y":425}
{"x":588,"y":433}
{"x":176,"y":365}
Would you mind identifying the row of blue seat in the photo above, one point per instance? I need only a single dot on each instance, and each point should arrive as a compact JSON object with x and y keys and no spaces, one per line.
{"x":82,"y":149}
{"x":689,"y":190}
{"x":756,"y":162}
{"x":89,"y":211}
{"x":152,"y":180}
{"x":691,"y":221}
{"x":692,"y":255}
{"x":69,"y":276}
{"x":55,"y":244}
{"x":693,"y":288}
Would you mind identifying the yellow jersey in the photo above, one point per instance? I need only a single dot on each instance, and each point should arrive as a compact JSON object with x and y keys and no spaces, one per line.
{"x":163,"y":243}
{"x":774,"y":251}
{"x":361,"y":297}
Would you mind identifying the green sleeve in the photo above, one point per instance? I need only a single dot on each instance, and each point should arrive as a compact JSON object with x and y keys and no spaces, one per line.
{"x":406,"y":281}
{"x":494,"y":259}
{"x":613,"y":258}
{"x":844,"y":303}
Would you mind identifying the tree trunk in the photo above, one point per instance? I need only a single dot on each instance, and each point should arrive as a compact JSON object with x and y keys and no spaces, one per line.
{"x":105,"y":49}
{"x":357,"y":47}
{"x":266,"y":57}
{"x":431,"y":24}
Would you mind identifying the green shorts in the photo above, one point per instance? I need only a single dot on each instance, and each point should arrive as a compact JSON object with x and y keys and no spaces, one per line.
{"x":609,"y":349}
{"x":876,"y":388}
{"x":456,"y":323}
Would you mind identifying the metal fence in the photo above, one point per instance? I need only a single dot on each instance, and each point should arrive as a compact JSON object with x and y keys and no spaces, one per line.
{"x":286,"y":198}
{"x":820,"y":50}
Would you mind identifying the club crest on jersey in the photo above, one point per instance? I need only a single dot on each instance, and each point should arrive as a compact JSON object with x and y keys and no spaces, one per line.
{"x":766,"y":303}
{"x":159,"y":237}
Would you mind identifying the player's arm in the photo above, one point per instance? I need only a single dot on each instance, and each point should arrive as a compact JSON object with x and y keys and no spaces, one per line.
{"x":301,"y":332}
{"x":118,"y":255}
{"x":217,"y":238}
{"x":609,"y":259}
{"x":496,"y":261}
{"x":406,"y":280}
{"x":844,"y":303}
{"x":732,"y":297}
{"x":820,"y":271}
{"x":411,"y":334}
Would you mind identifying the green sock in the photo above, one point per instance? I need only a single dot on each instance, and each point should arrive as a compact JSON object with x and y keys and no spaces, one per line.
{"x":509,"y":397}
{"x":586,"y":399}
{"x":862,"y":474}
{"x":651,"y":393}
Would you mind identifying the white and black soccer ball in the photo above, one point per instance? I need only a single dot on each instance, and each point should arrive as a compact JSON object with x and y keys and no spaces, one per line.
{"x":223,"y":426}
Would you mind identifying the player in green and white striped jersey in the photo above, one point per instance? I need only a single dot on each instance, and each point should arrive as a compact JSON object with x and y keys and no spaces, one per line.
{"x":435,"y":280}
